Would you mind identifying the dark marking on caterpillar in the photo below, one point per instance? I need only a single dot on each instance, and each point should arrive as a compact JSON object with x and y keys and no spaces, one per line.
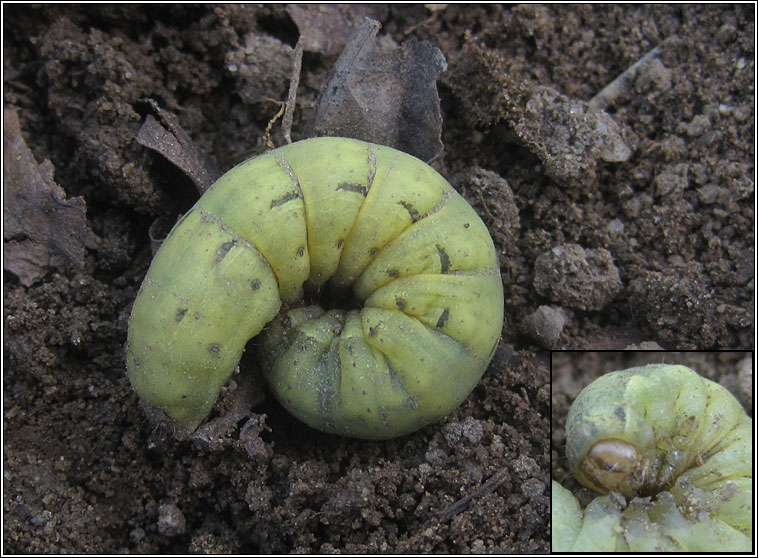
{"x":352,"y":187}
{"x":411,"y":210}
{"x":443,"y":318}
{"x":180,"y":312}
{"x":286,"y":198}
{"x":444,"y":259}
{"x":330,"y":374}
{"x":223,"y":250}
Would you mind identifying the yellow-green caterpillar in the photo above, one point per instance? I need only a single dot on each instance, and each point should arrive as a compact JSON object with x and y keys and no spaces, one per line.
{"x":673,"y":449}
{"x":324,"y":215}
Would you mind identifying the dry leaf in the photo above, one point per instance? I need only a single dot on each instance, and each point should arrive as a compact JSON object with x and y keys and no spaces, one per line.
{"x":42,"y":229}
{"x":385,"y":97}
{"x":326,"y":28}
{"x":176,"y":145}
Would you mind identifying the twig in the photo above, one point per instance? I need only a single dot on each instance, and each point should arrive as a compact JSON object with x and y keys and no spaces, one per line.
{"x":297,"y":64}
{"x":608,"y":95}
{"x":462,"y":505}
{"x":270,"y":125}
{"x":487,"y":209}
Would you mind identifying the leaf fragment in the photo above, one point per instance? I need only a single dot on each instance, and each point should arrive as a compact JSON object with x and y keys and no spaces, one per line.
{"x":42,"y":228}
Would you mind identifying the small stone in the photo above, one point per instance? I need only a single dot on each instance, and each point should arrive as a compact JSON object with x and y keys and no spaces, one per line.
{"x":672,"y":179}
{"x":745,"y":380}
{"x":698,"y":126}
{"x":544,"y":325}
{"x":170,"y":520}
{"x":577,"y":278}
{"x":531,"y":488}
{"x":708,"y":193}
{"x":654,"y":76}
{"x":616,"y":226}
{"x":525,"y":467}
{"x":469,"y":430}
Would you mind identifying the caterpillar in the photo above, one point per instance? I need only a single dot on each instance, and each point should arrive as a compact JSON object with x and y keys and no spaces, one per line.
{"x":672,"y":452}
{"x":373,"y":287}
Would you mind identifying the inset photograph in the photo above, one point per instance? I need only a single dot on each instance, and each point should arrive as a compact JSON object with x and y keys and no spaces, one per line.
{"x":652,"y":451}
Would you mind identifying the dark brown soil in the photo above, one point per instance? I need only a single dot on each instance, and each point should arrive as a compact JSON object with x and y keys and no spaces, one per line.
{"x":667,"y":237}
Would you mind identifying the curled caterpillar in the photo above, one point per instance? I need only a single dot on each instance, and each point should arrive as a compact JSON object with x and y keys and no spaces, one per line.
{"x":325,"y":218}
{"x":672,"y":451}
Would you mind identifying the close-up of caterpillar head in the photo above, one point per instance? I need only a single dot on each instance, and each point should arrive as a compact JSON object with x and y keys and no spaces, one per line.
{"x":336,"y":212}
{"x":671,"y":452}
{"x":613,"y":464}
{"x":636,"y":431}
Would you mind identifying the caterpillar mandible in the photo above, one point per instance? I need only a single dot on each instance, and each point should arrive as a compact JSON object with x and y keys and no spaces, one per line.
{"x":359,"y":221}
{"x":676,"y":446}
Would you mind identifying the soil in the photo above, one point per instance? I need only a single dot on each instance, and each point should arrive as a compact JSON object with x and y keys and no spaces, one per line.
{"x":646,"y":208}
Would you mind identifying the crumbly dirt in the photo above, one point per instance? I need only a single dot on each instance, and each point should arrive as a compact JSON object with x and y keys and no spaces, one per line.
{"x":670,"y":198}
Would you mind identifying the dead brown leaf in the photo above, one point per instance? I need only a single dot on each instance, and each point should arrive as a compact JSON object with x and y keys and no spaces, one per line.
{"x":42,"y":229}
{"x":388,"y":97}
{"x":176,"y":145}
{"x":326,"y":28}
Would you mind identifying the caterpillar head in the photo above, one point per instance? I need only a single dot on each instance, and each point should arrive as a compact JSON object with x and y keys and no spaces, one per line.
{"x":664,"y":433}
{"x":613,"y":465}
{"x":631,"y":432}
